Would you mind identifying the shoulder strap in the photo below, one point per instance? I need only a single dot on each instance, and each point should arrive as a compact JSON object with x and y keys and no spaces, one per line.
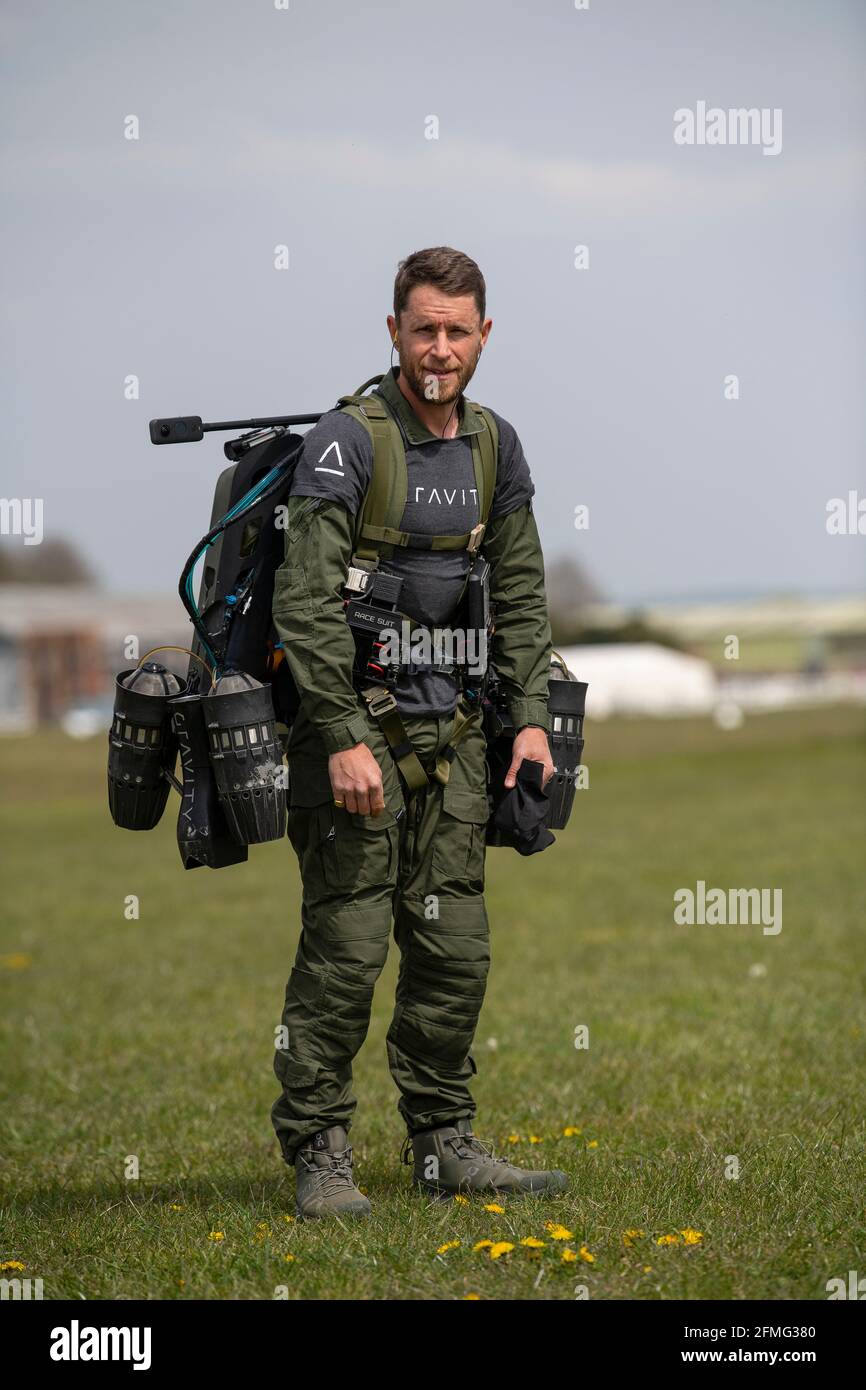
{"x":485,"y":455}
{"x":389,"y":485}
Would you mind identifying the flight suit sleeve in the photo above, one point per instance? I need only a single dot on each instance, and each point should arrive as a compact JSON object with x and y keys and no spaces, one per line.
{"x":310,"y":619}
{"x":522,"y":641}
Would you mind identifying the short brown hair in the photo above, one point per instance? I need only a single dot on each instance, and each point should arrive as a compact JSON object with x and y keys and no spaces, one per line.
{"x":450,"y":271}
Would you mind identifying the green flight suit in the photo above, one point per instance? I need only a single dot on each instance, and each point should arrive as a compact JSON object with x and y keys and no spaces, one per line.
{"x":420,"y":861}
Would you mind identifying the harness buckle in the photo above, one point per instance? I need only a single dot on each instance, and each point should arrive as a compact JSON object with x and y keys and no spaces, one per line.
{"x":379,"y":700}
{"x":475,"y":538}
{"x":357,"y":580}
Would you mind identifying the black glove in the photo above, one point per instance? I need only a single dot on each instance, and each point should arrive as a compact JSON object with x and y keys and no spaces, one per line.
{"x":519,"y":817}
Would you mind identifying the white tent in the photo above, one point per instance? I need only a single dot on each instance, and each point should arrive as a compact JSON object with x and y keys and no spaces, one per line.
{"x":642,"y":678}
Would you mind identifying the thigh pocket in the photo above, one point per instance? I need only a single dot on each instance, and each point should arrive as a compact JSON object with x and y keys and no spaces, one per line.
{"x":367,"y":848}
{"x":351,"y":852}
{"x":348,"y":851}
{"x":460,"y":842}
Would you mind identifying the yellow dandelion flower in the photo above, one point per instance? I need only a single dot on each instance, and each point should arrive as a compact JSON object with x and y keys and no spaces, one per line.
{"x":471,"y":1295}
{"x":691,"y":1237}
{"x":481,"y":1245}
{"x":535,"y":1139}
{"x":181,"y":1283}
{"x":494,"y":1206}
{"x":12,"y":1264}
{"x":217,"y":1235}
{"x":287,"y":1218}
{"x":464,"y":1201}
{"x":556,"y":1231}
{"x":502,"y":1247}
{"x":585,"y":1255}
{"x":176,"y":1206}
{"x":568,"y":1255}
{"x":629,"y":1237}
{"x":668,"y":1240}
{"x":17,"y":960}
{"x":647,"y":1269}
{"x":593,"y":1144}
{"x":533,"y":1242}
{"x":513,"y":1139}
{"x":288,"y":1258}
{"x":571,"y":1130}
{"x":449,"y":1245}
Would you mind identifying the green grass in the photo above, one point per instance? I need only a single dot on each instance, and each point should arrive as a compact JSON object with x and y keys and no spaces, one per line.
{"x":781,"y":652}
{"x":154,"y":1038}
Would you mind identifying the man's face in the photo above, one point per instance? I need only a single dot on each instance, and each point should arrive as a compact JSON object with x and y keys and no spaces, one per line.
{"x":439,"y":339}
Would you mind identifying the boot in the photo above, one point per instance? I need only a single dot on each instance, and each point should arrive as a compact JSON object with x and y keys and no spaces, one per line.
{"x":464,"y":1164}
{"x":324,"y":1184}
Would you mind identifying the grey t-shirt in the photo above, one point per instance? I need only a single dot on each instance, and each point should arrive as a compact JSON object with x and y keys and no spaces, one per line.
{"x":336,"y":462}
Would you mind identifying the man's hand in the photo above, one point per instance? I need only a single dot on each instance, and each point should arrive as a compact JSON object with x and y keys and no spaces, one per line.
{"x":531,"y":742}
{"x":356,"y":778}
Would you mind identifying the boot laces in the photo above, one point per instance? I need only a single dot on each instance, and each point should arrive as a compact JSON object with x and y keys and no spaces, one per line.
{"x":338,"y":1174}
{"x":475,"y":1146}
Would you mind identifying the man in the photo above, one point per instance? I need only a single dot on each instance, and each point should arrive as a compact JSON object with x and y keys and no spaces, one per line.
{"x":368,"y":846}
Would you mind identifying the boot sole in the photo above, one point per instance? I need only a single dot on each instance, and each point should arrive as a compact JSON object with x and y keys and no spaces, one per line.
{"x":443,"y":1194}
{"x":321,"y":1215}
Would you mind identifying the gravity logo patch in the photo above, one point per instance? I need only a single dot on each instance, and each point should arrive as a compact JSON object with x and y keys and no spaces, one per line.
{"x":338,"y":458}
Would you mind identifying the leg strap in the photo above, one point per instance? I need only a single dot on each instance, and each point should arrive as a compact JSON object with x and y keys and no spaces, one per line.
{"x":465,"y":718}
{"x":383,"y":707}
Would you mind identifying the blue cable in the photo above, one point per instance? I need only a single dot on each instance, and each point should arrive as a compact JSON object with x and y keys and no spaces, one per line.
{"x":233,"y":512}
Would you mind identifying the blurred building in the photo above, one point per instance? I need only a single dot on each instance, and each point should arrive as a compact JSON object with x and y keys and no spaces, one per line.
{"x":724,"y":658}
{"x":62,"y":645}
{"x":793,"y":633}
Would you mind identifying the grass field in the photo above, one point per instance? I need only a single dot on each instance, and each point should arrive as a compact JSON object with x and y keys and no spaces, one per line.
{"x":153,"y":1038}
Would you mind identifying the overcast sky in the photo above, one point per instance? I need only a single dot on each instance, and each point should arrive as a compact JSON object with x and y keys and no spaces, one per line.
{"x":305,"y":127}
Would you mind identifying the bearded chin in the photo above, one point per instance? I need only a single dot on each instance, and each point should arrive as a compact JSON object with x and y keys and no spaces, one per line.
{"x":428,"y":388}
